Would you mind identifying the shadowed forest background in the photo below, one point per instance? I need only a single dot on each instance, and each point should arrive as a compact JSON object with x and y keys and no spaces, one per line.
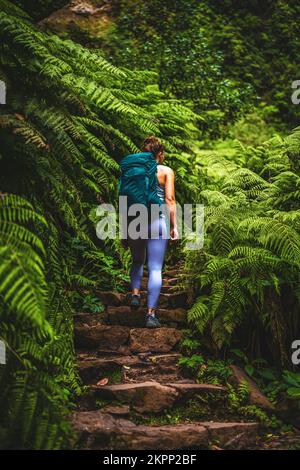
{"x":86,"y":82}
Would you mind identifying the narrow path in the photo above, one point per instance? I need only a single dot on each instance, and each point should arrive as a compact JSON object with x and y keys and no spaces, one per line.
{"x":144,"y":379}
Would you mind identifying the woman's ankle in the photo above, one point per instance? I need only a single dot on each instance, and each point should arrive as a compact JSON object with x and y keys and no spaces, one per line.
{"x":151,"y":311}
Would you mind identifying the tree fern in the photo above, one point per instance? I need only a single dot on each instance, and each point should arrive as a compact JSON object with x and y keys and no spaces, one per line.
{"x":68,"y":121}
{"x":250,"y":260}
{"x":22,"y":282}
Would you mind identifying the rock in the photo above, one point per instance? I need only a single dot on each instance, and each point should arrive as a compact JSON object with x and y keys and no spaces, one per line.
{"x":214,"y":447}
{"x":173,"y":272}
{"x":137,"y":374}
{"x":161,"y":368}
{"x":111,"y":298}
{"x":100,"y":431}
{"x":145,"y":397}
{"x":155,"y":340}
{"x":187,"y":390}
{"x":83,"y":8}
{"x":232,"y":436}
{"x":256,"y":397}
{"x":176,"y":299}
{"x":124,"y":315}
{"x":152,"y":382}
{"x":90,"y":318}
{"x":163,"y":301}
{"x":176,"y":315}
{"x":166,"y":289}
{"x":152,"y":396}
{"x":286,"y":441}
{"x":104,"y":337}
{"x":171,"y":281}
{"x":81,"y":17}
{"x":90,"y":370}
{"x":96,"y":430}
{"x":287,"y":409}
{"x":163,"y":359}
{"x":117,"y":410}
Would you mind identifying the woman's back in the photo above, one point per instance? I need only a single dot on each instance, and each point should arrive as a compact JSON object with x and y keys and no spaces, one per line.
{"x":154,"y":246}
{"x":161,"y":175}
{"x":161,"y":182}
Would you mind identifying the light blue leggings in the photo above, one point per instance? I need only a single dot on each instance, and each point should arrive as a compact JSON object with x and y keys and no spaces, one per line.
{"x":155,"y":248}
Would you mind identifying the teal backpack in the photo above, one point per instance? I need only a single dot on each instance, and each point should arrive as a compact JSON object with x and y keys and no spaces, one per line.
{"x":138,"y":180}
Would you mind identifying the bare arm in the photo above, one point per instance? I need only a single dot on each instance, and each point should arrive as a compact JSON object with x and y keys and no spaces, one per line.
{"x":171,"y":202}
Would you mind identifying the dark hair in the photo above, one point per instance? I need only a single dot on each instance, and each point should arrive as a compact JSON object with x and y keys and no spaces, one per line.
{"x":152,"y":144}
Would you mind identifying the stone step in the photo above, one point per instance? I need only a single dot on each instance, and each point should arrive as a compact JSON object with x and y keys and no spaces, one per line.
{"x":126,"y":340}
{"x":168,"y":289}
{"x":167,"y":282}
{"x":171,"y":281}
{"x":176,"y":299}
{"x":92,"y":369}
{"x":132,"y":317}
{"x":154,"y":397}
{"x":124,"y":315}
{"x":111,"y":297}
{"x":132,"y":368}
{"x":136,"y":375}
{"x":161,"y":340}
{"x":101,"y":337}
{"x":162,"y":368}
{"x":85,"y":318}
{"x":173,"y":272}
{"x":166,"y":300}
{"x":96,"y":430}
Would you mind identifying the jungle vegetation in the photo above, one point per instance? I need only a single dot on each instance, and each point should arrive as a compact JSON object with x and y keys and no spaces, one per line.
{"x":219,"y":99}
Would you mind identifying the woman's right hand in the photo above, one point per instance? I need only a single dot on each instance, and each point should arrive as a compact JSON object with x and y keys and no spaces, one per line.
{"x":174,"y":233}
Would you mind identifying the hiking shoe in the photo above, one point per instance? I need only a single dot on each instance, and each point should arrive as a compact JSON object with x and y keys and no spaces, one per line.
{"x":135,"y":300}
{"x":152,"y":321}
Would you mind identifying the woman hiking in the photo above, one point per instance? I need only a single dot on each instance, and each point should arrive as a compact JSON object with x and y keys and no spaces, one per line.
{"x":160,"y":229}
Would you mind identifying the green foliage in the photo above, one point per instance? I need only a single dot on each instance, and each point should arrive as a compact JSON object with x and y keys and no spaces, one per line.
{"x":215,"y":372}
{"x":22,"y":281}
{"x":170,"y":38}
{"x":101,"y":403}
{"x":203,"y":407}
{"x":39,"y":9}
{"x":39,"y":376}
{"x":192,"y":362}
{"x":189,"y":344}
{"x":292,"y":380}
{"x":238,"y":396}
{"x":246,"y":277}
{"x":87,"y":303}
{"x":204,"y":370}
{"x":70,"y":116}
{"x":252,"y":129}
{"x":238,"y":401}
{"x":258,"y":40}
{"x":221,"y":57}
{"x":212,"y":371}
{"x":277,"y":385}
